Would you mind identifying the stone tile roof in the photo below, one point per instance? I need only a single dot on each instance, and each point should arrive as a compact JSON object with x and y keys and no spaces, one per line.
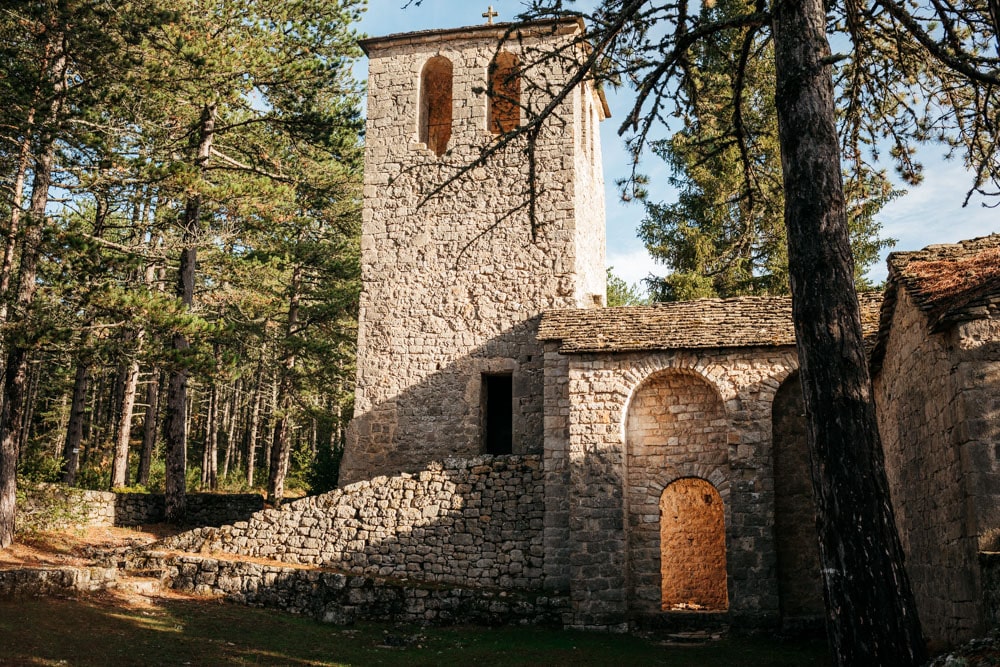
{"x":754,"y":321}
{"x":950,"y":283}
{"x":504,"y":30}
{"x":953,"y":282}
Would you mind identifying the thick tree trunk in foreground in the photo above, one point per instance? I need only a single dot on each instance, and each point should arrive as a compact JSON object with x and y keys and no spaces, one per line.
{"x":175,"y":433}
{"x":871,"y":614}
{"x":16,"y":370}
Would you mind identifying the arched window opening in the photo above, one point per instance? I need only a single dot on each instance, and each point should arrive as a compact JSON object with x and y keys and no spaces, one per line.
{"x":505,"y":93}
{"x":692,"y":547}
{"x":435,"y":104}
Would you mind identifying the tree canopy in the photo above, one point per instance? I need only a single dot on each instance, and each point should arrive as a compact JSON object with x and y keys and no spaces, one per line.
{"x":724,"y":235}
{"x":183,"y":211}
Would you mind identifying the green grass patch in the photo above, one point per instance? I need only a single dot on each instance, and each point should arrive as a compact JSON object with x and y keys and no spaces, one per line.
{"x":192,"y":632}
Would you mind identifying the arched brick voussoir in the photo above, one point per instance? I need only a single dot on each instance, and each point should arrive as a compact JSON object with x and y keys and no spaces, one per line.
{"x":718,"y":476}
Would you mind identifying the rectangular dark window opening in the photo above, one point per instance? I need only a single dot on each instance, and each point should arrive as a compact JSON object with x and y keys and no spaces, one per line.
{"x":498,"y":402}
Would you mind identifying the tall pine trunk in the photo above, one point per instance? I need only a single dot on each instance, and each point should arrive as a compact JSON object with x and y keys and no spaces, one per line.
{"x":871,"y":615}
{"x":254,"y":427}
{"x":17,"y":199}
{"x":30,"y":403}
{"x":15,"y":370}
{"x":74,"y":428}
{"x":210,"y":460}
{"x":175,"y":433}
{"x":149,"y":428}
{"x":123,"y":429}
{"x":16,"y":375}
{"x":233,"y":408}
{"x":281,"y":447}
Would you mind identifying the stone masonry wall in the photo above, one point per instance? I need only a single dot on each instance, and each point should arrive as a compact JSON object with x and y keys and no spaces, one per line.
{"x":800,"y":585}
{"x":452,"y":286}
{"x":603,"y":547}
{"x":557,"y":470}
{"x":470,"y":522}
{"x":334,"y":597}
{"x":54,"y":506}
{"x":938,"y":398}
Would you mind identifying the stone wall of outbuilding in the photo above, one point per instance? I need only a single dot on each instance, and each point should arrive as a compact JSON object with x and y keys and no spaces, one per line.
{"x":800,"y":586}
{"x":616,"y":478}
{"x":938,"y":399}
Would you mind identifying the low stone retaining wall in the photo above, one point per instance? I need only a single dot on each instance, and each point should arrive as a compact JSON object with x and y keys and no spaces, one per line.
{"x":203,"y":509}
{"x":468,"y":522}
{"x":339,"y":598}
{"x":54,"y":507}
{"x":52,"y":581}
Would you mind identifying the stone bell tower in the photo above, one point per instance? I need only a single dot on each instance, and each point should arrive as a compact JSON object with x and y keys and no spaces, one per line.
{"x":454,"y":273}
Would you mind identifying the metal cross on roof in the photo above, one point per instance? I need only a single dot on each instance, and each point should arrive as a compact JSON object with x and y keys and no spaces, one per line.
{"x":489,"y":14}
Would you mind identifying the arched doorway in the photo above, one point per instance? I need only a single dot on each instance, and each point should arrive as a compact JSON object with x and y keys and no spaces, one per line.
{"x":692,"y":547}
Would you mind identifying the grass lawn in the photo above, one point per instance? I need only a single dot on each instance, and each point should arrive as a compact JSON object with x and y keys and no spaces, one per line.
{"x":111,"y":630}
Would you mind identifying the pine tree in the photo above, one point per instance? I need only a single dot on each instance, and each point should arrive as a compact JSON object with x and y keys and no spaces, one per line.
{"x":725,"y":234}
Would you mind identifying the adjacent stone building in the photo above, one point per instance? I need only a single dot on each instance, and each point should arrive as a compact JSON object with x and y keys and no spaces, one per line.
{"x":936,"y":371}
{"x":662,"y":447}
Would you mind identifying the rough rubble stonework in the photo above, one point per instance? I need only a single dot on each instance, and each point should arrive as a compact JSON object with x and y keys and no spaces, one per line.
{"x":939,"y":398}
{"x":453,"y":285}
{"x":471,"y":522}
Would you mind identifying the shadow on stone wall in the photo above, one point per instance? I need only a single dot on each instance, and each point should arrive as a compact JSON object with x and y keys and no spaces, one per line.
{"x":442,"y":415}
{"x":471,"y":522}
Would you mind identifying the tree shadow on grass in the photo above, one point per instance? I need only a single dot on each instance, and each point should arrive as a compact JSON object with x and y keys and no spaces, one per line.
{"x":108,"y":630}
{"x":115,"y":630}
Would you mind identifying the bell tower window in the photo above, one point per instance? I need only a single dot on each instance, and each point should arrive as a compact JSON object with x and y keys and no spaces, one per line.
{"x":435,"y":104}
{"x":505,"y":93}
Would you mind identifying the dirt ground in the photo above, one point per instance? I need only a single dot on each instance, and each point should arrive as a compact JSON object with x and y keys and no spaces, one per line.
{"x":76,"y":547}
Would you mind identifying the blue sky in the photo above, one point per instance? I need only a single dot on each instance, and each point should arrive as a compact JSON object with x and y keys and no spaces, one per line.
{"x":929,"y":213}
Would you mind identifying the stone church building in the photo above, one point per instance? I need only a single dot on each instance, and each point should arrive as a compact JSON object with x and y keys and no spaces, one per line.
{"x":637,"y":465}
{"x":671,"y":436}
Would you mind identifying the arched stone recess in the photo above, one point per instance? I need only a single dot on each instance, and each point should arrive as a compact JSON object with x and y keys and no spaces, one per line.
{"x":614,"y":491}
{"x":800,"y":590}
{"x":436,"y":99}
{"x":504,"y":107}
{"x":675,"y":426}
{"x":693,"y":571}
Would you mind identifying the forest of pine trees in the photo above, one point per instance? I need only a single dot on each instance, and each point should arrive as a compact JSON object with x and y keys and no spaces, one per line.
{"x":180,"y":218}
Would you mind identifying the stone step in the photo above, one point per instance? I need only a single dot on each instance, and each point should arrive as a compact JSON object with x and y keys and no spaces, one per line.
{"x":140,"y":585}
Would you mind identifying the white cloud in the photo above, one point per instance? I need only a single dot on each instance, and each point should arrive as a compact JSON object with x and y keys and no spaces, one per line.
{"x":633,"y":266}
